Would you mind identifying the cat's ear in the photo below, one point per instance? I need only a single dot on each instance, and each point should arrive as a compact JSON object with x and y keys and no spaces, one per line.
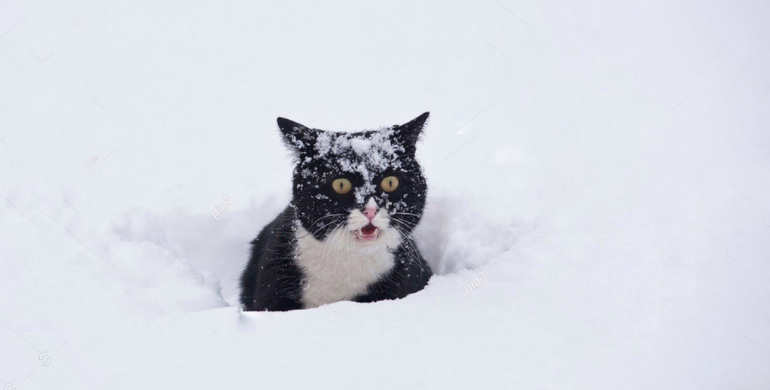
{"x":297,"y":137}
{"x":408,"y":134}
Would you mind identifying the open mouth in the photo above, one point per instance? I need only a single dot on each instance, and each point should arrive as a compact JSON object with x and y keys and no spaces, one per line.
{"x":368,"y":233}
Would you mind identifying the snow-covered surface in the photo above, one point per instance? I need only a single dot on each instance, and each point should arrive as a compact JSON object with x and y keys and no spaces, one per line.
{"x":604,"y":164}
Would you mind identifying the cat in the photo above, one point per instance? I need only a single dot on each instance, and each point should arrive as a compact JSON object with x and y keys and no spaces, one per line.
{"x":347,"y":232}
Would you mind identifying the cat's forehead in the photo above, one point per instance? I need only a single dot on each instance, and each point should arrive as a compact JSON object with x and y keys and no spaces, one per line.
{"x":365,"y":153}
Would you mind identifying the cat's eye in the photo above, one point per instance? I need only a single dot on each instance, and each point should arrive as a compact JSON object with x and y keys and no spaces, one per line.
{"x":342,"y":186}
{"x":389,"y":184}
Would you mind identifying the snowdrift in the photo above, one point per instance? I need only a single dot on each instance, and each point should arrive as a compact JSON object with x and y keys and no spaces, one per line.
{"x":598,"y":214}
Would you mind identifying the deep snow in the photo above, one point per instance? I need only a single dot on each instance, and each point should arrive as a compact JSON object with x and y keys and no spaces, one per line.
{"x":605,"y":165}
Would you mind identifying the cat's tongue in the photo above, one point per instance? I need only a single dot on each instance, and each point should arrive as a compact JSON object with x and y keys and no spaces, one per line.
{"x":368,"y":232}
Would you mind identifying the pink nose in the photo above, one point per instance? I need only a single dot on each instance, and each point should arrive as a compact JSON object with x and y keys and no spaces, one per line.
{"x":370,"y":212}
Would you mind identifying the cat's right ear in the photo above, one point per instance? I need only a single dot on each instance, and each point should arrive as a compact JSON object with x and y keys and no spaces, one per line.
{"x":297,"y":137}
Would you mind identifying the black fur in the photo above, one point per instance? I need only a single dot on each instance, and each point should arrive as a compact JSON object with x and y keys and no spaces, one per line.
{"x":272,"y":281}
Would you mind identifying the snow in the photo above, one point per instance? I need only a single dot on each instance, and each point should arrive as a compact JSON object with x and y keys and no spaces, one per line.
{"x":360,"y":146}
{"x":605,"y":165}
{"x":372,"y":153}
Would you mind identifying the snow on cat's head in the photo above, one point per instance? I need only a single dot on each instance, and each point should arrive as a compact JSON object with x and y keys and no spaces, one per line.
{"x":367,"y":183}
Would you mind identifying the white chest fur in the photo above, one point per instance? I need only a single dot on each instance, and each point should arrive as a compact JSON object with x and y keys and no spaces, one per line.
{"x":340,"y":268}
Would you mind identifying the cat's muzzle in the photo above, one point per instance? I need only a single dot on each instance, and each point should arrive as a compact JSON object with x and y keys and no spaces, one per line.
{"x":368,"y":233}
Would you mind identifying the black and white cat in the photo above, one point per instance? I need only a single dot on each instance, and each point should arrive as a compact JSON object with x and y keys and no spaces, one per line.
{"x":347,"y":232}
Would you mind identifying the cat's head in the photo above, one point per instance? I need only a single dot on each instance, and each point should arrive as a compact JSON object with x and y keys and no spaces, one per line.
{"x":366,"y":185}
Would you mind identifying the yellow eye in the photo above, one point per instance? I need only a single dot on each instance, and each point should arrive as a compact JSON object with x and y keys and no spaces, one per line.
{"x":389,"y":184}
{"x":342,"y":186}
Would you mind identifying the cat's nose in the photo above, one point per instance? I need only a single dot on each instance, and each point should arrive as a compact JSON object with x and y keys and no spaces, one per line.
{"x":370,"y":210}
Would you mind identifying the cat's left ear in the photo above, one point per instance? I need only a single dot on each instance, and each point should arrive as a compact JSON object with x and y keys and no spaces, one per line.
{"x":297,"y":137}
{"x":408,"y":134}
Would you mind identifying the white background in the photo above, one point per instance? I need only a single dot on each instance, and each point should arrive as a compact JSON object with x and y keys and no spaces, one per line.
{"x":604,"y":164}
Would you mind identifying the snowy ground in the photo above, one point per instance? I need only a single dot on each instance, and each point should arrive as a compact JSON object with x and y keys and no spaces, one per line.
{"x":605,"y":165}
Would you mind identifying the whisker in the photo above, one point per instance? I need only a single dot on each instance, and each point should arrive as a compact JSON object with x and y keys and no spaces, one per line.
{"x":402,"y":213}
{"x":324,"y":217}
{"x":414,"y":252}
{"x":322,"y":227}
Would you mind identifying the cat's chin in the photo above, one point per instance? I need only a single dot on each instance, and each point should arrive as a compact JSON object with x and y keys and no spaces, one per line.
{"x":368,"y":233}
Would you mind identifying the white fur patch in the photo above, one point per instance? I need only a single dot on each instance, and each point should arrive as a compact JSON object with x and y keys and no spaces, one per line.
{"x":342,"y":267}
